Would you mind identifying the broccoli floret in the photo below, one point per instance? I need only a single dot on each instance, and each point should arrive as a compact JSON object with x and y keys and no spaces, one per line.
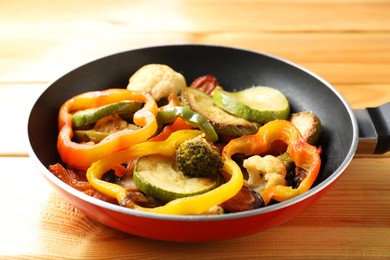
{"x":197,"y":158}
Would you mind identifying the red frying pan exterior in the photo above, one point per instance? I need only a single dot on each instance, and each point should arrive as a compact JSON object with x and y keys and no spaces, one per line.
{"x":187,"y":229}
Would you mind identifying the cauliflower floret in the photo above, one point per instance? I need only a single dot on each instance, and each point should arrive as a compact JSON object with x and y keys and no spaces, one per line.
{"x":158,"y":80}
{"x":264,"y":172}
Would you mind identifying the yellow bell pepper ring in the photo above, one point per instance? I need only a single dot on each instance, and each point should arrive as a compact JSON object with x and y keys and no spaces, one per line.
{"x":200,"y":204}
{"x":197,"y":204}
{"x":82,"y":155}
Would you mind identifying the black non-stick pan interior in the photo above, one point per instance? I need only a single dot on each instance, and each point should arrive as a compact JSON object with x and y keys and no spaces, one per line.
{"x":234,"y":68}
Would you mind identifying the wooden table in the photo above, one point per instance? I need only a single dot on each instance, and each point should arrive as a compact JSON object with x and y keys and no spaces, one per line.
{"x":345,"y":41}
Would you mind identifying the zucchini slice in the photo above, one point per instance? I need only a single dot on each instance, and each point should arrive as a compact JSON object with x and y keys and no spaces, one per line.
{"x":223,"y":122}
{"x":91,"y":115}
{"x":157,"y":176}
{"x":256,"y":104}
{"x":96,"y":136}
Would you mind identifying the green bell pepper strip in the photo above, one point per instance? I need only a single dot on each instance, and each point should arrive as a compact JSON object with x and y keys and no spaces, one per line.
{"x":169,"y":114}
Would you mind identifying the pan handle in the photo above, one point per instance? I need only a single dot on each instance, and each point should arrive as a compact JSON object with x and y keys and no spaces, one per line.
{"x":374,"y":129}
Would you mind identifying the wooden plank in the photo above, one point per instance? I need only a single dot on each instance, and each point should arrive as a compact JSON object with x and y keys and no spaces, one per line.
{"x":351,"y":220}
{"x":361,"y":58}
{"x":362,"y":96}
{"x":196,"y":16}
{"x":16,"y":101}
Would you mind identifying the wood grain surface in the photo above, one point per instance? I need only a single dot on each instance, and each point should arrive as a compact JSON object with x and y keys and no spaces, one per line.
{"x":347,"y":42}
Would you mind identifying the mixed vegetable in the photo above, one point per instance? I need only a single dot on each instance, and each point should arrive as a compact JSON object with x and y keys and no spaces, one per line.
{"x":162,"y":146}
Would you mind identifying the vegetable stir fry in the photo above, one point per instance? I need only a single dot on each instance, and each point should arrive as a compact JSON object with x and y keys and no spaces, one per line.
{"x":164,"y":147}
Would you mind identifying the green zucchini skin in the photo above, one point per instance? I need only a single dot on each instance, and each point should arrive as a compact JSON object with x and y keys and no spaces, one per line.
{"x":257,"y":104}
{"x":89,"y":116}
{"x":156,"y":176}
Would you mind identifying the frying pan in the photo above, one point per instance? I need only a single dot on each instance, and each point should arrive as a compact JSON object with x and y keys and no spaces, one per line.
{"x":235,"y":69}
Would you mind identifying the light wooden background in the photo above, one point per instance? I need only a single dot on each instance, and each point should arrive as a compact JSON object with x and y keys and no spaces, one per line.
{"x":347,"y":42}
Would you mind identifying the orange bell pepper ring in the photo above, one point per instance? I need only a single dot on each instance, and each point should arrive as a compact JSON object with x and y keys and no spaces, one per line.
{"x":82,"y":155}
{"x":304,"y":155}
